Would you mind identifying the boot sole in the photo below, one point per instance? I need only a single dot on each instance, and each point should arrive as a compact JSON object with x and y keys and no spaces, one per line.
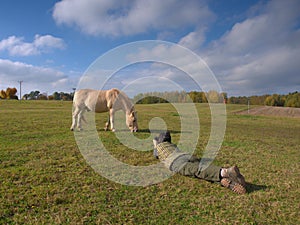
{"x":235,"y":187}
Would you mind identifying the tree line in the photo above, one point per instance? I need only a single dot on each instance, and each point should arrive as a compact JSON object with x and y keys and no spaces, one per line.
{"x":10,"y":93}
{"x":37,"y":95}
{"x":180,"y":97}
{"x":288,"y":100}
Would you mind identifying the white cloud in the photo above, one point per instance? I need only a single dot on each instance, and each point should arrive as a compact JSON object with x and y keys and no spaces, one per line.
{"x":257,"y":55}
{"x":41,"y":44}
{"x":35,"y":78}
{"x":194,"y":39}
{"x":148,"y":77}
{"x":191,"y":72}
{"x":261,"y":53}
{"x":48,"y":41}
{"x":130,"y":17}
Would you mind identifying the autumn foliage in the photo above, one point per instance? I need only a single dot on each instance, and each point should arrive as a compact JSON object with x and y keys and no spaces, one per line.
{"x":10,"y":93}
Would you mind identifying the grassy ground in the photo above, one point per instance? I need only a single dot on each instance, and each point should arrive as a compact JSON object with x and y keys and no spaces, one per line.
{"x":44,"y":179}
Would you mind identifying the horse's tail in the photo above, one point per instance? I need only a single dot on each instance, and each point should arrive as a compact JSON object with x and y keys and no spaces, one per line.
{"x":111,"y":97}
{"x":74,"y":103}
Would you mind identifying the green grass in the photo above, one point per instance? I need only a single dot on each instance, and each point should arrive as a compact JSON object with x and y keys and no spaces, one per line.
{"x":44,"y":179}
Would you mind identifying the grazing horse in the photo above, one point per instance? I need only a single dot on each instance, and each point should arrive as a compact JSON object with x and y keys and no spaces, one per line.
{"x":103,"y":101}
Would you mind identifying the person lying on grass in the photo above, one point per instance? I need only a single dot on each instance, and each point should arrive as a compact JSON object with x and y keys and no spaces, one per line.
{"x":186,"y":164}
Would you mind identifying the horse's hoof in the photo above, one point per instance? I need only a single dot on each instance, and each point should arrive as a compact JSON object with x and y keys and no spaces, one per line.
{"x":72,"y":129}
{"x":113,"y":130}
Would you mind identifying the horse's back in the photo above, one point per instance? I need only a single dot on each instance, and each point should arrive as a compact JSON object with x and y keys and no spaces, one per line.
{"x":83,"y":95}
{"x":95,"y":100}
{"x":85,"y":98}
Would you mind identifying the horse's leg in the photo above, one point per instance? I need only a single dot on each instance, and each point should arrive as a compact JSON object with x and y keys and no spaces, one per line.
{"x":74,"y":118}
{"x":112,"y":114}
{"x":80,"y":116}
{"x":107,"y":123}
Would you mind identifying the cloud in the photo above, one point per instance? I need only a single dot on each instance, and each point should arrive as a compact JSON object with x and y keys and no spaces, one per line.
{"x":194,"y":39}
{"x":192,"y":73}
{"x":257,"y":55}
{"x":261,"y":53}
{"x":148,"y":77}
{"x":35,"y":78}
{"x":130,"y":17}
{"x":41,"y":44}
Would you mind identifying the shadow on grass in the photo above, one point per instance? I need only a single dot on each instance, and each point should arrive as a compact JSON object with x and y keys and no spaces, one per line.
{"x":158,"y":131}
{"x":255,"y":187}
{"x":144,"y":131}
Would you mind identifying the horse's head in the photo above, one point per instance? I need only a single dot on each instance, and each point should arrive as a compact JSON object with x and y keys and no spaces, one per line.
{"x":131,"y":121}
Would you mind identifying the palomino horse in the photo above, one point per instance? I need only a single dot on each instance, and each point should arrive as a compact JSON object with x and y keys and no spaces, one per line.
{"x":103,"y":101}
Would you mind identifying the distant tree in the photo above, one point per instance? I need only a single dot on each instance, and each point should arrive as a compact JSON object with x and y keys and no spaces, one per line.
{"x":258,"y":100}
{"x":151,"y":100}
{"x":10,"y":93}
{"x":42,"y":97}
{"x":195,"y":96}
{"x":269,"y":101}
{"x":198,"y":97}
{"x":290,"y":100}
{"x":66,"y":96}
{"x":293,"y":100}
{"x":25,"y":97}
{"x":238,"y":100}
{"x":213,"y":96}
{"x":3,"y":94}
{"x":33,"y":95}
{"x":161,"y":97}
{"x":56,"y":96}
{"x":61,"y":96}
{"x":138,"y":97}
{"x":180,"y":97}
{"x":203,"y":97}
{"x":275,"y":100}
{"x":14,"y":97}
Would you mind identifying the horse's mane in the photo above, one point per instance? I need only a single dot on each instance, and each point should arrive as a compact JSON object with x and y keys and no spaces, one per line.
{"x":114,"y":95}
{"x":111,"y":96}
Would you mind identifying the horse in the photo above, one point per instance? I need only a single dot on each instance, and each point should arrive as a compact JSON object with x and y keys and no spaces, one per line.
{"x":103,"y":101}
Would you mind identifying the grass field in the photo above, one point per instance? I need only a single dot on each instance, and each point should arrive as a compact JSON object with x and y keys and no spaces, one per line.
{"x":44,"y":179}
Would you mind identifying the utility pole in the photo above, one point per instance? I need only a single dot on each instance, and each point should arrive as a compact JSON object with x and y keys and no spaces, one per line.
{"x":248,"y":105}
{"x":20,"y":81}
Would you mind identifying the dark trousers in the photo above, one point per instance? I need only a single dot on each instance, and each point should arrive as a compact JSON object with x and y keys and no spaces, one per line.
{"x":188,"y":165}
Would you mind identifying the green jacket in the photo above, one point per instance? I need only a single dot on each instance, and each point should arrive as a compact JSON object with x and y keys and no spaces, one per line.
{"x":168,"y":153}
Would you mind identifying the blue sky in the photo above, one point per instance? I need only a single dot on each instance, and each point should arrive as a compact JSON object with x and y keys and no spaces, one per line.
{"x":251,"y":46}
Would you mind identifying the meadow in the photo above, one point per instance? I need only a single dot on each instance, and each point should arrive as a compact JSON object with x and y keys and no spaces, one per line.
{"x":44,"y":179}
